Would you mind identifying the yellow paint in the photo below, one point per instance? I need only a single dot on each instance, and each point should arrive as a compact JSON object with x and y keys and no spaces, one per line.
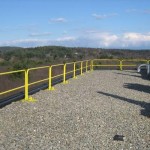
{"x":89,"y":64}
{"x":64,"y":76}
{"x":30,"y":99}
{"x":50,"y":79}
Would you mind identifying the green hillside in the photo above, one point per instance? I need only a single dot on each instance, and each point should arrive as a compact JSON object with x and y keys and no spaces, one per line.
{"x":14,"y":58}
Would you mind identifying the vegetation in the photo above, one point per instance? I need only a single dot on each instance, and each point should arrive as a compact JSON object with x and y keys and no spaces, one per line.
{"x":16,"y":58}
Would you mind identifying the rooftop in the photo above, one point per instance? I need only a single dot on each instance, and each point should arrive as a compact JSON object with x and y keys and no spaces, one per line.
{"x":84,"y":114}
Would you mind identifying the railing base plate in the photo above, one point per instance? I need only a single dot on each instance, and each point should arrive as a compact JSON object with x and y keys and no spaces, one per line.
{"x":51,"y":89}
{"x":30,"y":99}
{"x":66,"y":82}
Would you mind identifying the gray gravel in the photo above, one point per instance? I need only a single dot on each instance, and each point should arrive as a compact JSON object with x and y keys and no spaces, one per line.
{"x":83,"y":115}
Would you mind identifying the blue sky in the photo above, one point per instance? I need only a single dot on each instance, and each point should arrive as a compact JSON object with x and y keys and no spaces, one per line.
{"x":79,"y":23}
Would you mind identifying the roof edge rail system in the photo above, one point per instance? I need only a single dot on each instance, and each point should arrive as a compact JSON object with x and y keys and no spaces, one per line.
{"x":68,"y":70}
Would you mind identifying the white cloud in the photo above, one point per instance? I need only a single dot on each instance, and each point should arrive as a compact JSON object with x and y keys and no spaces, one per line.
{"x":127,"y":39}
{"x":25,"y":42}
{"x":137,"y":36}
{"x":103,"y":16}
{"x":101,"y":38}
{"x":58,"y":20}
{"x":40,"y":34}
{"x":91,"y":38}
{"x":99,"y":16}
{"x":66,"y":38}
{"x":133,"y":39}
{"x":64,"y":41}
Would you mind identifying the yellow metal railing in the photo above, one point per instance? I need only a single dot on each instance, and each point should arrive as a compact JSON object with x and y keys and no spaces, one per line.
{"x":27,"y":84}
{"x":52,"y":77}
{"x":76,"y":66}
{"x":10,"y":73}
{"x":135,"y":62}
{"x":118,"y":63}
{"x":71,"y":68}
{"x":106,"y":63}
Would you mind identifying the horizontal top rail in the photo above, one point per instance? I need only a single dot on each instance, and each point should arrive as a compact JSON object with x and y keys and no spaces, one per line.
{"x":107,"y":65}
{"x":10,"y":72}
{"x":57,"y":65}
{"x":38,"y":68}
{"x":70,"y":63}
{"x":108,"y":59}
{"x":87,"y":60}
{"x":78,"y":61}
{"x":66,"y":69}
{"x":134,"y":60}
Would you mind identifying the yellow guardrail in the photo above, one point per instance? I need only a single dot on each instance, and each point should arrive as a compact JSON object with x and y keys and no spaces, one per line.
{"x":118,"y":63}
{"x":27,"y":84}
{"x":69,"y":68}
{"x":14,"y":89}
{"x":50,"y":76}
{"x":106,"y":63}
{"x":135,"y":61}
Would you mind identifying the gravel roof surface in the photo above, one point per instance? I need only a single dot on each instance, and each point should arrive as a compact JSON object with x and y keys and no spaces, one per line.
{"x":85,"y":114}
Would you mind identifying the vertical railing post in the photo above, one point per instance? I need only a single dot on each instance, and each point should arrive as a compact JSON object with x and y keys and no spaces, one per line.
{"x":86,"y":66}
{"x":50,"y":87}
{"x":91,"y":65}
{"x":64,"y":75}
{"x":121,"y":65}
{"x":26,"y":85}
{"x":74,"y":70}
{"x":81,"y":67}
{"x":27,"y":98}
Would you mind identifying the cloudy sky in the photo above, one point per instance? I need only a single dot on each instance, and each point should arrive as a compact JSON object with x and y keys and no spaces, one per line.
{"x":77,"y":23}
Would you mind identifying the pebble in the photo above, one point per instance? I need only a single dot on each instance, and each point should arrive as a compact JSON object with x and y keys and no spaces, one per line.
{"x":83,"y":115}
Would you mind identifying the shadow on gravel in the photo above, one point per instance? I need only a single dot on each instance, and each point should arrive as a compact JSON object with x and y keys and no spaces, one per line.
{"x":131,"y":71}
{"x":142,"y":75}
{"x":129,"y":75}
{"x":145,"y":111}
{"x":138,"y":87}
{"x":19,"y":96}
